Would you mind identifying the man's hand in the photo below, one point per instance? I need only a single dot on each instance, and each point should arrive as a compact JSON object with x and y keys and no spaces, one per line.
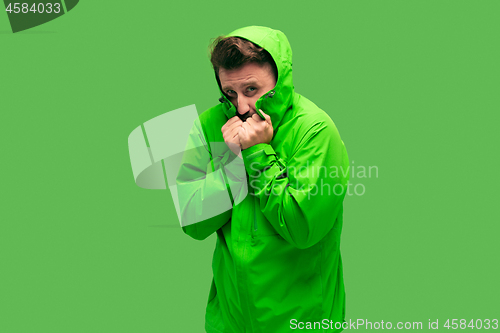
{"x":230,"y":134}
{"x":255,"y":130}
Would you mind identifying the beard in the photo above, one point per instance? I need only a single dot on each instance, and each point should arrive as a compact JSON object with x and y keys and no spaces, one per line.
{"x":244,"y":116}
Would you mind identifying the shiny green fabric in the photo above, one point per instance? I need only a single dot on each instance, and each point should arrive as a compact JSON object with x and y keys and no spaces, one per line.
{"x":277,"y":256}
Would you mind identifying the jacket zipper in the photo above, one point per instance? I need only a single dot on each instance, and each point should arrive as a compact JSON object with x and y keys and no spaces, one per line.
{"x":255,"y":216}
{"x":255,"y":206}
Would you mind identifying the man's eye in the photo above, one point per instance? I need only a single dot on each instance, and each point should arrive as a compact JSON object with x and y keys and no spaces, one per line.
{"x":230,"y":92}
{"x":251,"y":89}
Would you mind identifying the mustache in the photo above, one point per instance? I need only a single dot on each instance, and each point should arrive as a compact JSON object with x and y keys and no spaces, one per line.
{"x":244,"y":116}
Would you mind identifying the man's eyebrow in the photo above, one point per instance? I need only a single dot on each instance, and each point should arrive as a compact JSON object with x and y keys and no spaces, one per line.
{"x":247,"y":83}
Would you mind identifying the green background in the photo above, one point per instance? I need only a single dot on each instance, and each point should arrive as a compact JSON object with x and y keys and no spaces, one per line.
{"x":413,"y":87}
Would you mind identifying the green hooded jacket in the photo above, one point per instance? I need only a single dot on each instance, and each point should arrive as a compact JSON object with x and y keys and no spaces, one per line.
{"x":277,"y":212}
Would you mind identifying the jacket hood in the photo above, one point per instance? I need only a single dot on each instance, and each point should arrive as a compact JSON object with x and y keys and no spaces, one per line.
{"x":278,"y":100}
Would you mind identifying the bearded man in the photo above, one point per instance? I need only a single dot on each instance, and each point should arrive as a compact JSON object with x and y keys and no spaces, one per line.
{"x":277,"y":264}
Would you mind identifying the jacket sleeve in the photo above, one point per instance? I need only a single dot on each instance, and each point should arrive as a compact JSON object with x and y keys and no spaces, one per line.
{"x":203,"y":187}
{"x":301,"y":197}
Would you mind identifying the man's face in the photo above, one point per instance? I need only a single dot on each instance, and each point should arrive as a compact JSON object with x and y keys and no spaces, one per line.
{"x":245,"y":85}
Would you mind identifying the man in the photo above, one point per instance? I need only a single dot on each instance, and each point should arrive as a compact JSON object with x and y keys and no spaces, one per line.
{"x":277,"y":262}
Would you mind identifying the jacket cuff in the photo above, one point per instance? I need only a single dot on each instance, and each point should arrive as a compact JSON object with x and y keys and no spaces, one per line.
{"x":258,"y":157}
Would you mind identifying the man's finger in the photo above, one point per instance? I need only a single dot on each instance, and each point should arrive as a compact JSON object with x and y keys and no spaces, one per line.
{"x":256,"y":117}
{"x":231,"y":121}
{"x":249,"y":130}
{"x":237,"y":139}
{"x":243,"y":130}
{"x":242,"y":134}
{"x":268,"y":119}
{"x":233,"y":132}
{"x":235,"y":124}
{"x":228,"y":127}
{"x":251,"y":122}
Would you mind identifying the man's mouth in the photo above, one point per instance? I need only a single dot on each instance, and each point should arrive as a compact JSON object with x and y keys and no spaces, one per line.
{"x":244,"y":116}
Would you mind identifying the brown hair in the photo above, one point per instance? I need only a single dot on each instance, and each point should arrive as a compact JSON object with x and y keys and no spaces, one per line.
{"x":233,"y":52}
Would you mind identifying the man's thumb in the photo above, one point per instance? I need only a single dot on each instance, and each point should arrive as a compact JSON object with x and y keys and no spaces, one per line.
{"x":266,"y":116}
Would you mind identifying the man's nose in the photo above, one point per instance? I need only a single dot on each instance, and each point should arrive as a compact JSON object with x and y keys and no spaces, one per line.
{"x":243,"y":105}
